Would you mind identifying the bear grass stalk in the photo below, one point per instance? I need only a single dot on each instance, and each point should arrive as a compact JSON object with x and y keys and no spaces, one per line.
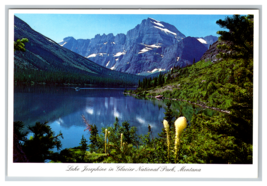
{"x":121,"y":140}
{"x":180,"y":124}
{"x":106,"y":133}
{"x":167,"y":129}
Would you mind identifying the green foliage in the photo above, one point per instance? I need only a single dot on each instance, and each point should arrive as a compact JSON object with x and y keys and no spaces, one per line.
{"x":19,"y":132}
{"x":169,"y":113}
{"x":240,"y":35}
{"x":84,"y":146}
{"x":129,"y":154}
{"x":215,"y":140}
{"x":147,"y":83}
{"x":94,"y":144}
{"x":58,"y":77}
{"x":19,"y":44}
{"x":228,"y":85}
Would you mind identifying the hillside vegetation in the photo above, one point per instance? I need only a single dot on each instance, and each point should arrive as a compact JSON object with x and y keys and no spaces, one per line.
{"x":226,"y":84}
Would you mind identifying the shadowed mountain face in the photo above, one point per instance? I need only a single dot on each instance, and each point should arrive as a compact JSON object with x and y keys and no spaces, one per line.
{"x":151,"y":46}
{"x":43,"y":54}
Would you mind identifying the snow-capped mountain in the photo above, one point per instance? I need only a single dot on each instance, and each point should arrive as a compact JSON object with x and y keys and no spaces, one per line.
{"x":151,"y":46}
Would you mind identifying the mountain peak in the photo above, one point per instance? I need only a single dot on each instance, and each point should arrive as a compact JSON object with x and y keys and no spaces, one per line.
{"x":69,"y":38}
{"x":149,"y":18}
{"x":150,"y":45}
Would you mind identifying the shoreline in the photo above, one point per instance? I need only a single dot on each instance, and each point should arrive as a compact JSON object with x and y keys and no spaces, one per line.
{"x":176,"y":99}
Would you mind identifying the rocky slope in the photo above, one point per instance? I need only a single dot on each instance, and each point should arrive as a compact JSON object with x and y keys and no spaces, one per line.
{"x":151,"y":46}
{"x":212,"y":52}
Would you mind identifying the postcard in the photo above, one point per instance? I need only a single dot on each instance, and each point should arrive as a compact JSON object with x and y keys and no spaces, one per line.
{"x":133,"y":93}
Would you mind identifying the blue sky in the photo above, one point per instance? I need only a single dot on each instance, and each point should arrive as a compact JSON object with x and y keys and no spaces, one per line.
{"x":86,"y":26}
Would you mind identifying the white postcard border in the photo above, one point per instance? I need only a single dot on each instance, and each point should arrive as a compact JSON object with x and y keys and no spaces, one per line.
{"x":60,"y":170}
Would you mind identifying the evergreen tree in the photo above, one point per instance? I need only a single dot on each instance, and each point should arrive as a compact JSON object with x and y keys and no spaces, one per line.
{"x":116,"y":124}
{"x":239,"y":36}
{"x":94,"y":146}
{"x":19,"y":44}
{"x":169,"y":113}
{"x":39,"y":147}
{"x":84,"y":146}
{"x":168,"y":77}
{"x":155,"y":81}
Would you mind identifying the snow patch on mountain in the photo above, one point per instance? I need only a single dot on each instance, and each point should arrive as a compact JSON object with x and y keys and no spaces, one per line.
{"x":50,"y":40}
{"x":165,"y":30}
{"x":119,"y":54}
{"x":101,"y":54}
{"x":156,"y":70}
{"x":112,"y":68}
{"x":92,"y":55}
{"x":153,"y":19}
{"x":63,"y":44}
{"x":146,"y":49}
{"x":202,"y":41}
{"x":152,"y":46}
{"x":147,"y":73}
{"x":159,"y":24}
{"x":107,"y":63}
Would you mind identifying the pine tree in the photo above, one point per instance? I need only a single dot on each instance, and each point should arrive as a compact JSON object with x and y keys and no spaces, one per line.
{"x":19,"y":44}
{"x":39,"y":147}
{"x":93,"y":139}
{"x":168,"y":78}
{"x":169,"y":113}
{"x":84,"y":146}
{"x":155,"y":81}
{"x":239,"y":36}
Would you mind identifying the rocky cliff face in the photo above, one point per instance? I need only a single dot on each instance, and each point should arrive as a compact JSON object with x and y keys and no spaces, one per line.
{"x":151,"y":46}
{"x":212,"y":52}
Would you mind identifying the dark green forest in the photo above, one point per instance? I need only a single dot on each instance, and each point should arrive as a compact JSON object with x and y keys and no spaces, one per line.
{"x":29,"y":76}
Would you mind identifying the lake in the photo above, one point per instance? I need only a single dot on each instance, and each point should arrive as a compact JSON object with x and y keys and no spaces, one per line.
{"x":63,"y":107}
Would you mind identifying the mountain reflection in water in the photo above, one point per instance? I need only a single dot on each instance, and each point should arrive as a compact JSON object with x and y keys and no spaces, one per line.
{"x":63,"y":107}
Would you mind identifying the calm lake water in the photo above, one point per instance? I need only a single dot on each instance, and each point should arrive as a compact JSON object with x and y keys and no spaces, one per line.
{"x":63,"y":107}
